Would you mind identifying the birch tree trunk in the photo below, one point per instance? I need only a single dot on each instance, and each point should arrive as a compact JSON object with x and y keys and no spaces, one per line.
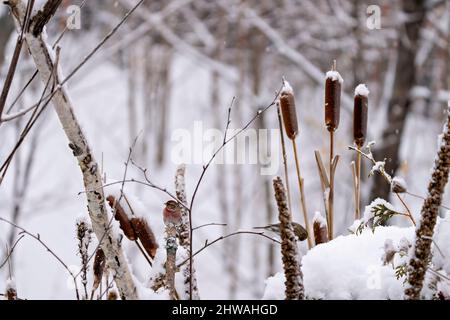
{"x":44,"y":60}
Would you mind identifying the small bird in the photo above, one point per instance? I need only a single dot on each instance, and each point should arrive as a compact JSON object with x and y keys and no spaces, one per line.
{"x":299,"y":231}
{"x":172,"y":213}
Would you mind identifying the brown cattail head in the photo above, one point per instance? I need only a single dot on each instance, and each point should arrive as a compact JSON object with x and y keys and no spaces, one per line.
{"x":112,"y":295}
{"x":320,"y":229}
{"x":121,"y":216}
{"x":98,"y":268}
{"x":360,"y":115}
{"x":333,"y":84}
{"x":287,"y":104}
{"x":145,"y":235}
{"x":11,"y":291}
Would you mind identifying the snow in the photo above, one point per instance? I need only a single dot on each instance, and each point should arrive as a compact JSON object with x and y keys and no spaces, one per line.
{"x":361,"y":90}
{"x":441,"y":258}
{"x":127,"y":199}
{"x":275,"y":287}
{"x":10,"y":284}
{"x":377,"y":167}
{"x":334,"y":75}
{"x":351,"y":267}
{"x":398,"y":183}
{"x":286,"y":87}
{"x":319,"y":219}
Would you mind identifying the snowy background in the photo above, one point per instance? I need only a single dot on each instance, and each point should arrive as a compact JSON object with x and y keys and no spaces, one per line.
{"x":165,"y":71}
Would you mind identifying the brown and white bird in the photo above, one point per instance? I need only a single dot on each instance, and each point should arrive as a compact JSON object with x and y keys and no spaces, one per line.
{"x":299,"y":231}
{"x":172,"y":213}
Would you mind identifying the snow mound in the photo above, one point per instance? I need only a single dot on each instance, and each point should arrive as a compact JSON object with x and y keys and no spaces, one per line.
{"x":351,"y":267}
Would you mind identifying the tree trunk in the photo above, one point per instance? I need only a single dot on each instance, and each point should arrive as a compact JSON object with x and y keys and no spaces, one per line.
{"x":400,"y":103}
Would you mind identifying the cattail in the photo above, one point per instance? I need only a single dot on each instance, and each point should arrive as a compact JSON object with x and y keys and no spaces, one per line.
{"x":121,"y":216}
{"x":112,"y":295}
{"x":333,"y":84}
{"x":11,"y":291}
{"x":98,"y":268}
{"x":145,"y":234}
{"x":320,"y":229}
{"x":287,"y":104}
{"x":360,"y":115}
{"x":289,"y":251}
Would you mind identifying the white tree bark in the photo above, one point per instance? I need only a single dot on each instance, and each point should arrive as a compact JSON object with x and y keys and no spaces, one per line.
{"x":44,"y":58}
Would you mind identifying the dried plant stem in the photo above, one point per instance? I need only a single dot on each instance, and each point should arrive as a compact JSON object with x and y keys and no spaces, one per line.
{"x":302,"y":193}
{"x":283,"y":148}
{"x":358,"y":187}
{"x":331,"y":194}
{"x":289,"y":250}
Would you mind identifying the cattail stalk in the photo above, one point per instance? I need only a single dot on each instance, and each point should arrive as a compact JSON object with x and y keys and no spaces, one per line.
{"x":333,"y":84}
{"x":183,"y":233}
{"x":287,"y":104}
{"x":360,"y":113}
{"x":421,"y":252}
{"x":289,"y":250}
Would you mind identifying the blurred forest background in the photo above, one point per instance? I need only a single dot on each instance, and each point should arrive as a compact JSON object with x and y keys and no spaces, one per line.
{"x":176,"y":62}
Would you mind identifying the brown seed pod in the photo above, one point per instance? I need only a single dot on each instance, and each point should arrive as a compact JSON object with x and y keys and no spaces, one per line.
{"x":320,"y":229}
{"x":121,"y":216}
{"x":360,"y":115}
{"x":145,"y":235}
{"x":287,"y":104}
{"x":332,"y":100}
{"x":98,"y":268}
{"x":112,"y":295}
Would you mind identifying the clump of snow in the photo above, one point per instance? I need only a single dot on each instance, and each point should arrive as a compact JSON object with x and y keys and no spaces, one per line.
{"x":377,"y":167}
{"x":355,"y":225}
{"x":286,"y":87}
{"x":398,"y":184}
{"x":11,"y":284}
{"x":362,"y":90}
{"x":351,"y":267}
{"x":145,"y":293}
{"x":318,"y":218}
{"x":275,"y":287}
{"x":334,"y":75}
